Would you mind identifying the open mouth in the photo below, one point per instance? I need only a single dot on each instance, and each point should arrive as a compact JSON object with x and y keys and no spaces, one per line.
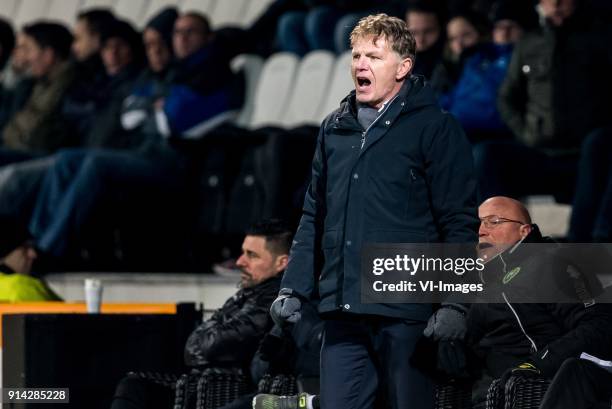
{"x":484,"y":245}
{"x":363,"y":83}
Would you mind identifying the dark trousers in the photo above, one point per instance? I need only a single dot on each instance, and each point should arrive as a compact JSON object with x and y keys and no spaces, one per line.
{"x":367,"y":360}
{"x":579,"y":384}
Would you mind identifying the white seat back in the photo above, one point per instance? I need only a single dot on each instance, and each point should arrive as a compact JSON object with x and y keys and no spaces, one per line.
{"x":251,"y":66}
{"x":131,"y":10}
{"x":311,"y":84}
{"x":90,"y":4}
{"x":64,"y":11}
{"x":228,"y":13}
{"x":29,"y":11}
{"x":273,"y":90}
{"x":8,"y":9}
{"x":340,"y":85}
{"x":205,"y":7}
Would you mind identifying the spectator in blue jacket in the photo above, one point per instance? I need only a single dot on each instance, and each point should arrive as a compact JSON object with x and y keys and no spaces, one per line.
{"x":473,"y":99}
{"x":143,"y":168}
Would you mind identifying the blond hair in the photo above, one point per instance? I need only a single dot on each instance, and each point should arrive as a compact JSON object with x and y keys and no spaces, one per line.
{"x":393,"y":29}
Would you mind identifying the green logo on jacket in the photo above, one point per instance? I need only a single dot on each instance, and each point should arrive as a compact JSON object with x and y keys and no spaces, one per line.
{"x":511,"y":274}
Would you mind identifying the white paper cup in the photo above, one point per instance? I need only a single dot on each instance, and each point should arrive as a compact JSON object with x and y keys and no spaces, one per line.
{"x":93,"y":295}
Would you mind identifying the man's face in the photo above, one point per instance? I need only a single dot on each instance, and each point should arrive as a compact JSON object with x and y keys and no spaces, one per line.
{"x":461,"y":35}
{"x":506,"y":32}
{"x":158,"y":53}
{"x":116,"y":55}
{"x":424,"y":28}
{"x":557,"y":11}
{"x":19,"y":60}
{"x":501,"y":227}
{"x":377,"y":70}
{"x":85,"y":43}
{"x":257,"y":263}
{"x":188,"y":37}
{"x":40,"y":60}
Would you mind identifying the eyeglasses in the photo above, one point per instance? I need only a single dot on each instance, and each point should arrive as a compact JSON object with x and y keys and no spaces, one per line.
{"x":491,"y":222}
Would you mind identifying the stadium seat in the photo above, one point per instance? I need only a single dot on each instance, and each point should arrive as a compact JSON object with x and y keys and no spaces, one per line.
{"x":90,"y":4}
{"x":251,"y":66}
{"x":228,"y":13}
{"x":253,"y":10}
{"x":154,"y":7}
{"x":203,"y":6}
{"x":8,"y":8}
{"x":311,"y":83}
{"x":64,"y":11}
{"x":339,"y":86}
{"x":131,"y":10}
{"x":30,"y":10}
{"x":273,"y":90}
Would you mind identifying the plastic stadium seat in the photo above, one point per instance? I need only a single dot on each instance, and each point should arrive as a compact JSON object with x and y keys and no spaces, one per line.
{"x":228,"y":13}
{"x":8,"y":8}
{"x":90,"y":4}
{"x":253,"y":10}
{"x":30,"y":10}
{"x":154,"y":7}
{"x":64,"y":11}
{"x":339,"y":86}
{"x":203,"y":6}
{"x":251,"y":66}
{"x":274,"y":89}
{"x":311,"y":84}
{"x":131,"y":10}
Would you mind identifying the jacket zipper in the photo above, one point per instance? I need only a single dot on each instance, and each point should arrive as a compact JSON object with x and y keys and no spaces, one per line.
{"x":363,"y":134}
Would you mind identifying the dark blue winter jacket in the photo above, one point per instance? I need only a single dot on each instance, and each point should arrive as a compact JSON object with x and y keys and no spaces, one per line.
{"x":411,"y":182}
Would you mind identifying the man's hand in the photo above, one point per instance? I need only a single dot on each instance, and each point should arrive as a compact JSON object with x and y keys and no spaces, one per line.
{"x":447,"y":324}
{"x":286,"y":308}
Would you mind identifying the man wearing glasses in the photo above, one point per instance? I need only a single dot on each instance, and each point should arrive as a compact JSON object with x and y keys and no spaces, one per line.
{"x":513,"y":337}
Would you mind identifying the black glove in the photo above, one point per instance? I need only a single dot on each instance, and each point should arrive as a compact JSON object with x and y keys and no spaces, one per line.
{"x":525,"y":370}
{"x":451,"y":358}
{"x":447,"y":324}
{"x":286,"y":308}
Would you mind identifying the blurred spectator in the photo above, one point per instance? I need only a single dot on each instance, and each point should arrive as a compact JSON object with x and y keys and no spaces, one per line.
{"x":555,"y":93}
{"x":464,"y":31}
{"x":425,"y":23}
{"x":90,"y":89}
{"x":98,"y":114}
{"x":142,"y":167}
{"x":15,"y":81}
{"x":229,"y":339}
{"x":16,"y":258}
{"x":7,"y":42}
{"x":473,"y":100}
{"x":38,"y":127}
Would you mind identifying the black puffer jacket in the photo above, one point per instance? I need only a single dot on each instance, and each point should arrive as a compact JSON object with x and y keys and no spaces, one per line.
{"x":506,"y":334}
{"x":231,"y":336}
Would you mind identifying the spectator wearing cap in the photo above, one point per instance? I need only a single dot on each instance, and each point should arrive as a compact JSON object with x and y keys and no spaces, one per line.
{"x":473,"y":99}
{"x":38,"y":128}
{"x":16,"y":258}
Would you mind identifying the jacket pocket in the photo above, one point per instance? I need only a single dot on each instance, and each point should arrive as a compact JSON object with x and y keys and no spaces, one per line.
{"x":330,"y":239}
